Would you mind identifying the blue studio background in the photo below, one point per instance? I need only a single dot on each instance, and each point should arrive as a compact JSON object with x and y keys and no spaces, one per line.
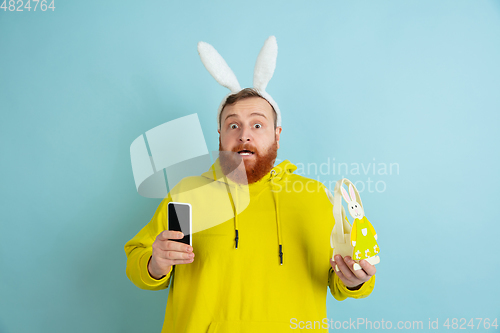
{"x":411,"y":85}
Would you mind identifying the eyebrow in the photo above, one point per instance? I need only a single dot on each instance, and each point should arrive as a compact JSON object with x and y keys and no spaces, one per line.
{"x":253,"y":113}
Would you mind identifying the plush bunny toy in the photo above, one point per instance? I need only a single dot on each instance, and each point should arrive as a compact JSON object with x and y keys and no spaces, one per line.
{"x":263,"y":72}
{"x":363,"y":235}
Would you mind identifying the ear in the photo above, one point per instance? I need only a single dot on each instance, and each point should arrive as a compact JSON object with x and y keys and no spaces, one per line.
{"x":345,"y":195}
{"x":351,"y":191}
{"x":266,"y":63}
{"x":217,"y":67}
{"x":278,"y":133}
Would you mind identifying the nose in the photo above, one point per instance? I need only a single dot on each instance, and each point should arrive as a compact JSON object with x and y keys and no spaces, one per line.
{"x":245,"y":135}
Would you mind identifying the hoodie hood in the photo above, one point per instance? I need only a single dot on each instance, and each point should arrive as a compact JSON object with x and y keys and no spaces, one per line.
{"x":271,"y":180}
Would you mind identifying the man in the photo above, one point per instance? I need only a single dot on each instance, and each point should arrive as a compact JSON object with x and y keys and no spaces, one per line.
{"x":239,"y":275}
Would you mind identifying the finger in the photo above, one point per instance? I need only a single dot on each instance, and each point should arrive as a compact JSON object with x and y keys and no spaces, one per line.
{"x":170,"y":234}
{"x":332,"y":263}
{"x":346,"y":271}
{"x":341,"y":276}
{"x":171,"y":255}
{"x":368,"y":268}
{"x":346,"y":281}
{"x":182,"y":261}
{"x":360,"y":274}
{"x":171,"y":245}
{"x":167,"y":262}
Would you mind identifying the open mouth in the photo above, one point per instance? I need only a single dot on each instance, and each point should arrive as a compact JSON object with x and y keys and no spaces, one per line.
{"x":245,"y":152}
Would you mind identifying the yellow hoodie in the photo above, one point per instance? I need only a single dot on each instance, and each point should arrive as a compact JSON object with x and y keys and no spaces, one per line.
{"x":263,"y":268}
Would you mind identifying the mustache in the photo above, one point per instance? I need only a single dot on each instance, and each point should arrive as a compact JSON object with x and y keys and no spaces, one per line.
{"x":245,"y":147}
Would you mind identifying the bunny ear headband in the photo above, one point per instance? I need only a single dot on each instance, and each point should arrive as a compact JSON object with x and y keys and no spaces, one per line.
{"x":263,"y":72}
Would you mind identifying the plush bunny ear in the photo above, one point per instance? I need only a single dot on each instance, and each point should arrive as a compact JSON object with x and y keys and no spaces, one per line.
{"x":344,"y":194}
{"x":266,"y":63}
{"x":351,"y":191}
{"x":217,"y":67}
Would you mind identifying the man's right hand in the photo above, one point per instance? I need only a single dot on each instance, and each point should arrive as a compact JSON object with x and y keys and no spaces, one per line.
{"x":167,"y":253}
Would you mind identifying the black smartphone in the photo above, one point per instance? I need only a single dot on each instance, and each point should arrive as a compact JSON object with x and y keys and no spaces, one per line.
{"x":179,"y":219}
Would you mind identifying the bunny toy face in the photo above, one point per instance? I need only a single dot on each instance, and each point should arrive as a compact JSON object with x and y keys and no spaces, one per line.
{"x":355,"y":209}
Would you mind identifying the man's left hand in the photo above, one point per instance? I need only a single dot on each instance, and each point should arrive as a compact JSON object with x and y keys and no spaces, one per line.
{"x":353,"y":279}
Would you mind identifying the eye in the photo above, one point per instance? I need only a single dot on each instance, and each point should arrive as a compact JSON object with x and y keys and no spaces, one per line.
{"x":258,"y":125}
{"x":231,"y":126}
{"x":356,"y":206}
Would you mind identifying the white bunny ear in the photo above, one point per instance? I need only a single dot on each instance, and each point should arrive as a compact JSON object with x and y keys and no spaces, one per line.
{"x":266,"y":63}
{"x":217,"y":67}
{"x":351,"y":191}
{"x":344,"y":194}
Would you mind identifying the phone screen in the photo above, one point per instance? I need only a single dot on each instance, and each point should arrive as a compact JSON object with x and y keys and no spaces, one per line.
{"x":179,"y":219}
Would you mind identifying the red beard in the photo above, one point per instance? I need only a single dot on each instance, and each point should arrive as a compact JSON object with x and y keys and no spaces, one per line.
{"x":249,"y":171}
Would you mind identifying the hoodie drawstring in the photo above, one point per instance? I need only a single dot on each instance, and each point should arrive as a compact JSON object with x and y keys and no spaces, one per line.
{"x":276,"y":204}
{"x":236,"y":238}
{"x":275,"y":195}
{"x":233,"y":205}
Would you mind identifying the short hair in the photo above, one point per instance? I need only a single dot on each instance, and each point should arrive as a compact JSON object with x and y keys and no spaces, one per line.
{"x":243,"y":94}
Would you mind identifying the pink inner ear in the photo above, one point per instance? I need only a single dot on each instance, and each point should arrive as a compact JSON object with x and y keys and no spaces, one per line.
{"x":345,"y":195}
{"x":351,"y":191}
